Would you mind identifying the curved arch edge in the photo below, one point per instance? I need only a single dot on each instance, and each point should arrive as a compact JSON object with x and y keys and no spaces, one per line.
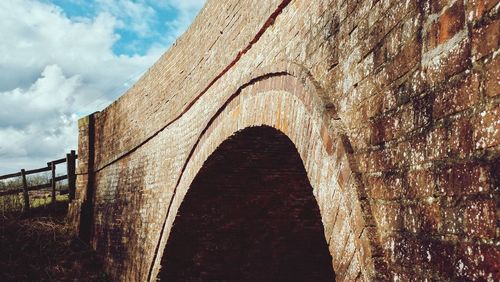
{"x":286,"y":79}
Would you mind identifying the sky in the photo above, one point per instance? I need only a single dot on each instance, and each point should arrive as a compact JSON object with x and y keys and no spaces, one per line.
{"x":63,"y":59}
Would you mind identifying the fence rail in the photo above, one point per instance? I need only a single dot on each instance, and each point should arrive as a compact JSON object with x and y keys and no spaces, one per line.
{"x":70,"y":161}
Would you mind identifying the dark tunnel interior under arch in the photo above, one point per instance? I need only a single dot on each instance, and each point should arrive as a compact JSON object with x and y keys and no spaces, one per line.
{"x":249,"y":215}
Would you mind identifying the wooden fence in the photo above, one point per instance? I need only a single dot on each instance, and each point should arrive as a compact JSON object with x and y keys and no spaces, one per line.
{"x":70,"y":161}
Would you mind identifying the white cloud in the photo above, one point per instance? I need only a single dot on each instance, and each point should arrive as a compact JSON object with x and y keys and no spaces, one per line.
{"x":35,"y":35}
{"x":187,"y":10}
{"x":51,"y":94}
{"x":136,"y":16}
{"x":37,"y":123}
{"x":55,"y":69}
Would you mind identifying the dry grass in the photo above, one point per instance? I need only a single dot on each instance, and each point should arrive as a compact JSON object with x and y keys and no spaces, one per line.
{"x":41,"y":248}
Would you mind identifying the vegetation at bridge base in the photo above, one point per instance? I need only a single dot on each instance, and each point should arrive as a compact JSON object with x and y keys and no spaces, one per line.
{"x":40,"y":247}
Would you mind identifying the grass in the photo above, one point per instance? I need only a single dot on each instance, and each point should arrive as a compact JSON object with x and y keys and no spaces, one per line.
{"x":42,"y":248}
{"x":41,"y":202}
{"x":13,"y":204}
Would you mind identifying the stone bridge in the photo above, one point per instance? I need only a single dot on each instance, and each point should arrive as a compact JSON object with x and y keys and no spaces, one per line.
{"x":305,"y":141}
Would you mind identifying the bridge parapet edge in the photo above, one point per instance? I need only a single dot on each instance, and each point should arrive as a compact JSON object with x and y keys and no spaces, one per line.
{"x":78,"y":210}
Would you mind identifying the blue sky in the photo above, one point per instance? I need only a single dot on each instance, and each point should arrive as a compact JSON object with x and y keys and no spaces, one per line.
{"x":63,"y":59}
{"x":161,"y":20}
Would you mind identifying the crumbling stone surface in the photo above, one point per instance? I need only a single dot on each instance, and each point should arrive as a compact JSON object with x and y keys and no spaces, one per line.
{"x":393,"y":108}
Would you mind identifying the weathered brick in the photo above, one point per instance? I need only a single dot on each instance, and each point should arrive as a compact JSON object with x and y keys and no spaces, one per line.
{"x":424,"y":216}
{"x":492,"y":77}
{"x":460,"y":137}
{"x":453,"y":59}
{"x":412,"y":223}
{"x":430,"y":214}
{"x":478,"y":8}
{"x":456,"y":96}
{"x":452,"y":220}
{"x":477,"y":262}
{"x":451,"y":21}
{"x":480,"y":218}
{"x":387,"y":186}
{"x":487,"y":128}
{"x":407,"y":251}
{"x":463,"y":179}
{"x":431,"y":35}
{"x":418,"y":149}
{"x":388,"y":216}
{"x":404,"y":61}
{"x":485,"y":39}
{"x":443,"y":25}
{"x":439,"y":257}
{"x":420,"y":183}
{"x":437,"y":143}
{"x":437,"y":5}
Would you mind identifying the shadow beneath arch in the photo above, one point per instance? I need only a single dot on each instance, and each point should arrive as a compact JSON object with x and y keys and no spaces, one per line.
{"x":249,"y":214}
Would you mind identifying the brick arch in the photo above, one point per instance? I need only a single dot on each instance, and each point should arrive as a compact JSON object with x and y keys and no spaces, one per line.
{"x":249,"y":214}
{"x":289,"y":101}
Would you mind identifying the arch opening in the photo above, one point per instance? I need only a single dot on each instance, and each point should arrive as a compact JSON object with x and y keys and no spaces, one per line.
{"x":250,"y":214}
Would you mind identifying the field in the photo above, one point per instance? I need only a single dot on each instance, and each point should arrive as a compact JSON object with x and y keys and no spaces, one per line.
{"x":40,"y":198}
{"x":42,"y":248}
{"x":38,"y":245}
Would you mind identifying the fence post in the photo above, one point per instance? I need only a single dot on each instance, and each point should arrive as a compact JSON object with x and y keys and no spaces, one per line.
{"x":53,"y":182}
{"x":25,"y":192}
{"x":71,"y":165}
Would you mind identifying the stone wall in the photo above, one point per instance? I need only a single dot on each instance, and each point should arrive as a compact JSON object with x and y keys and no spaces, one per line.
{"x":392,"y":105}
